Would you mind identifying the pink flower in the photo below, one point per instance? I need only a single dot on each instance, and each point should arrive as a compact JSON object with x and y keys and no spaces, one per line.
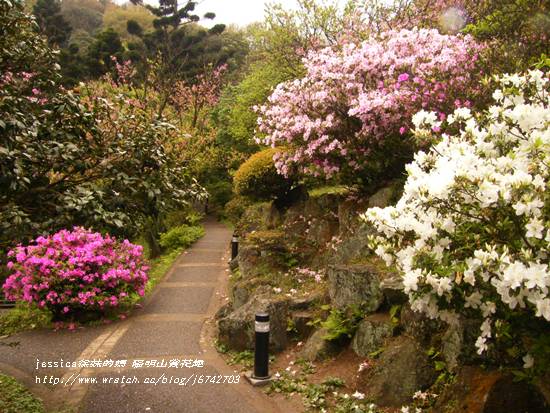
{"x":402,"y":130}
{"x":403,"y":77}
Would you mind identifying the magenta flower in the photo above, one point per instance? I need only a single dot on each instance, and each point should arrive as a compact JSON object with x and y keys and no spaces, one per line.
{"x":76,"y":269}
{"x":403,"y":77}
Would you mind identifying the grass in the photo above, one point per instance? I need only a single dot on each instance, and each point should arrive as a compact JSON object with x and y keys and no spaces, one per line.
{"x":15,"y":398}
{"x":23,"y":317}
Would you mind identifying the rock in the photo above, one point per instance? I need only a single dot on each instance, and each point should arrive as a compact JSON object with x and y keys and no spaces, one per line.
{"x":242,"y":290}
{"x":353,"y":245}
{"x":385,"y":196}
{"x":354,"y":285}
{"x":371,"y":334}
{"x":248,"y":259}
{"x":237,"y":329}
{"x":316,"y":348}
{"x":392,"y":290}
{"x":234,"y":263}
{"x":223,"y":311}
{"x":301,"y":323}
{"x":348,"y":215}
{"x":254,"y":218}
{"x":480,"y":391}
{"x":303,"y":303}
{"x":402,"y":369}
{"x":419,"y":326}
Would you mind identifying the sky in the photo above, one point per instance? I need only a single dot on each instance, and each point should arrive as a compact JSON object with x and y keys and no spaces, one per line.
{"x":238,"y":12}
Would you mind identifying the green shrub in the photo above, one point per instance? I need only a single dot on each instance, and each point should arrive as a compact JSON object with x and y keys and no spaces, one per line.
{"x":181,"y":237}
{"x":188,"y":217}
{"x":258,"y":179}
{"x":235,"y":208}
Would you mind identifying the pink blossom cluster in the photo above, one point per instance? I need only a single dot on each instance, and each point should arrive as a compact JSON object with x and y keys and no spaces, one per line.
{"x":353,"y":99}
{"x":75,"y":269}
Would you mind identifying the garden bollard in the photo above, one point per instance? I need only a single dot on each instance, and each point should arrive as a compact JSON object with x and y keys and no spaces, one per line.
{"x":234,"y":246}
{"x":261,"y":351}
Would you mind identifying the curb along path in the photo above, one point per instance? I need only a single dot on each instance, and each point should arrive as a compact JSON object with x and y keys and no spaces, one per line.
{"x":176,"y":322}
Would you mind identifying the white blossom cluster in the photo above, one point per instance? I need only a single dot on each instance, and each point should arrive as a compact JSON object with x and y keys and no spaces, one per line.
{"x":471,"y":231}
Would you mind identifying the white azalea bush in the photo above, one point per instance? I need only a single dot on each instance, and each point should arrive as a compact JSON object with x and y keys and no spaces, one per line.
{"x":471,"y":231}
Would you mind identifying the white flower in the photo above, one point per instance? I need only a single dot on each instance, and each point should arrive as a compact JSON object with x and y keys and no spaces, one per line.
{"x":359,"y":396}
{"x":534,"y":228}
{"x":528,"y":361}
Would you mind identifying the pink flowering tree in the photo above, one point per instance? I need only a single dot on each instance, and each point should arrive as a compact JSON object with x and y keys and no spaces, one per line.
{"x":76,"y":271}
{"x":351,"y":113}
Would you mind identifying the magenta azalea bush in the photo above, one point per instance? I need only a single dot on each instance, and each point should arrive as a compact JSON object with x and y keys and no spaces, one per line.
{"x":353,"y":109}
{"x":74,"y":271}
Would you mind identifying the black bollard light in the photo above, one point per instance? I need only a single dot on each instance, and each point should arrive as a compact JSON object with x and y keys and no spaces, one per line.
{"x":234,"y":246}
{"x":261,"y":351}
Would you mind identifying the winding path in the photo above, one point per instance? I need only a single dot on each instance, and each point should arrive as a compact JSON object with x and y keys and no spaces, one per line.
{"x":176,"y":322}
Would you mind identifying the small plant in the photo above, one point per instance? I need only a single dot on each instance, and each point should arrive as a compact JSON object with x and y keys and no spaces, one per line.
{"x":342,"y":323}
{"x":14,"y":398}
{"x":244,"y":358}
{"x":181,"y":237}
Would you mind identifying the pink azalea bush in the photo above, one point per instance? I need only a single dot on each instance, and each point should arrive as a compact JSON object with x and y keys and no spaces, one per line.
{"x":352,"y":111}
{"x":76,"y":270}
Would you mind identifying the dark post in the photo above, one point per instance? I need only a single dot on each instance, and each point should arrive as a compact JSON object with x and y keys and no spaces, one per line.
{"x":234,"y":246}
{"x":261,"y":352}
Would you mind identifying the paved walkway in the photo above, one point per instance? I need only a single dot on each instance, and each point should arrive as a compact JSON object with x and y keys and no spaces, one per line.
{"x":176,"y":322}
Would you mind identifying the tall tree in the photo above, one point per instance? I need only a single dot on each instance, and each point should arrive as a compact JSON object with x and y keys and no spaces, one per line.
{"x":51,"y":22}
{"x":172,"y":43}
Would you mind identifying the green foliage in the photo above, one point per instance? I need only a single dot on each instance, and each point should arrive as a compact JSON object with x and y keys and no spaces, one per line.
{"x":15,"y":398}
{"x":117,"y":17}
{"x":107,"y":43}
{"x":234,"y":115}
{"x":314,"y":396}
{"x":83,"y":15}
{"x":342,"y":323}
{"x":517,"y":29}
{"x":51,"y":22}
{"x":258,"y":179}
{"x":90,"y":159}
{"x":181,"y":237}
{"x":23,"y":317}
{"x":244,"y":358}
{"x":235,"y":208}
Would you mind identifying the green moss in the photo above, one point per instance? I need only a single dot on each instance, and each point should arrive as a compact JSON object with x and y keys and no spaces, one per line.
{"x":328,"y":190}
{"x":15,"y":398}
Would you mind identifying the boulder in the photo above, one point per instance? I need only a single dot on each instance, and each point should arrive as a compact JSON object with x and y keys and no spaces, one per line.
{"x":371,"y":334}
{"x":475,"y":390}
{"x":348,"y":215}
{"x":356,"y":284}
{"x":316,"y":348}
{"x":420,"y":327}
{"x":392,"y":290}
{"x":304,"y":303}
{"x":458,"y":345}
{"x":242,"y":290}
{"x":353,"y":245}
{"x":236,"y":330}
{"x":301,"y":323}
{"x":401,"y":370}
{"x":385,"y":196}
{"x":223,"y":311}
{"x":248,"y":259}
